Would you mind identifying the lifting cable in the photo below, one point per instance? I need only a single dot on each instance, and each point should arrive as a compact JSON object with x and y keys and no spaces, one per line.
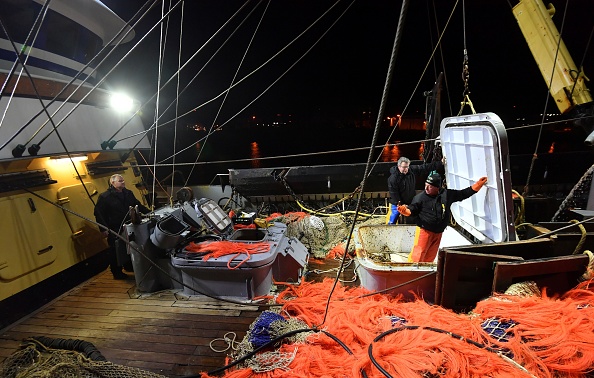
{"x":179,"y":55}
{"x":465,"y":71}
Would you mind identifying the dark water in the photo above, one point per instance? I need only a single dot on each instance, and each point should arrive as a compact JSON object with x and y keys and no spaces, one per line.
{"x":561,"y":158}
{"x":283,"y":148}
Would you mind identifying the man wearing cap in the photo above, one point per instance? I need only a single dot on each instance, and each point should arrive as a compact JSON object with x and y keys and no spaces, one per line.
{"x":432,"y":207}
{"x":402,"y":183}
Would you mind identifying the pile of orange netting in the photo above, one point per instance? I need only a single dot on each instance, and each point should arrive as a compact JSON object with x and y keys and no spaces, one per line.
{"x":505,"y":336}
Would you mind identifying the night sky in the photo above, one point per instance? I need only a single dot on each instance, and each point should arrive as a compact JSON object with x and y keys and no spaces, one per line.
{"x":344,"y":74}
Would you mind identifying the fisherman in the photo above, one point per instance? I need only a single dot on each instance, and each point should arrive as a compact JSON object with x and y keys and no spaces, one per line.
{"x":402,"y":182}
{"x":433,"y":209}
{"x":112,"y":211}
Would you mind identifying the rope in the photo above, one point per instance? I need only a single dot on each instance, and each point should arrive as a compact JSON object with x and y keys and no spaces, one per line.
{"x":580,"y":244}
{"x":217,"y":249}
{"x":569,"y":197}
{"x":231,"y":343}
{"x":520,"y":216}
{"x":213,"y":124}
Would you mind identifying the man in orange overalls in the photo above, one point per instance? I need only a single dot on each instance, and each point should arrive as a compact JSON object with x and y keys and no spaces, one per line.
{"x":432,"y":208}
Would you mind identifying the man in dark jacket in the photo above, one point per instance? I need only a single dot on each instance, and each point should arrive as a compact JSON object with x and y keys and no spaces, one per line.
{"x":402,"y":182}
{"x":433,"y":209}
{"x":112,"y":211}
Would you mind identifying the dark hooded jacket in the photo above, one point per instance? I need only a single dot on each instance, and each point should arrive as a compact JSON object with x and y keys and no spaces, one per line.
{"x":402,"y":186}
{"x":433,"y":213}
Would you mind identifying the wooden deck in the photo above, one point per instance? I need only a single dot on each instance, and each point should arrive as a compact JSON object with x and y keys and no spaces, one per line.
{"x":162,"y":332}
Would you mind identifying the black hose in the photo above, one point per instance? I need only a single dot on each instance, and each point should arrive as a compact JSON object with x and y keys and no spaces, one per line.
{"x":84,"y":347}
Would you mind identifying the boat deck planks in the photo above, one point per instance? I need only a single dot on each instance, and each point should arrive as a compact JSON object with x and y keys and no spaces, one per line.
{"x":164,"y":332}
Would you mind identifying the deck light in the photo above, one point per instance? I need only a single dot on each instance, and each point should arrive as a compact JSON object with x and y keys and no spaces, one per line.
{"x":121,"y":102}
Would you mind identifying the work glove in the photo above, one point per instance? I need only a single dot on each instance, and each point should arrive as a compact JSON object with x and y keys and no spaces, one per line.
{"x":479,"y":184}
{"x":404,"y":210}
{"x":393,"y":213}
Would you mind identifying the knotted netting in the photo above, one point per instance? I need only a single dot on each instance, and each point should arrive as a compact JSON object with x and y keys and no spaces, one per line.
{"x":36,"y":358}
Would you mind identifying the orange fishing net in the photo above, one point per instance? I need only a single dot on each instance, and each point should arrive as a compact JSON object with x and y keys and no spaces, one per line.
{"x":216,"y":249}
{"x":542,"y":337}
{"x":336,"y":251}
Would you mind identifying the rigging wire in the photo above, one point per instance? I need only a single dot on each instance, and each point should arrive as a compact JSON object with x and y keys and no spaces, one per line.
{"x":422,"y":73}
{"x":354,"y":149}
{"x":21,"y":148}
{"x":581,"y":66}
{"x":442,"y":58}
{"x":162,"y":44}
{"x":258,"y":68}
{"x":287,"y":156}
{"x":369,"y":165}
{"x":275,"y":81}
{"x":179,"y":55}
{"x":250,"y":74}
{"x":296,"y":155}
{"x":35,"y":27}
{"x":212,"y":126}
{"x":544,"y":112}
{"x":111,"y":140}
{"x":108,"y":73}
{"x":34,"y":86}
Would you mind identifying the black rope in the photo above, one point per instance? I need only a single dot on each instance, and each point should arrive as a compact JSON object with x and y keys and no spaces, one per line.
{"x":433,"y":329}
{"x":88,"y":349}
{"x":273,"y":342}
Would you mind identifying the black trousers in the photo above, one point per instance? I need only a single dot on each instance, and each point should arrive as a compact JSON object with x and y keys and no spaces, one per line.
{"x":112,"y":256}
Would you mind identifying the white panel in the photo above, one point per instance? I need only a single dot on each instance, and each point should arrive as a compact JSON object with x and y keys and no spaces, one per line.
{"x":475,"y":146}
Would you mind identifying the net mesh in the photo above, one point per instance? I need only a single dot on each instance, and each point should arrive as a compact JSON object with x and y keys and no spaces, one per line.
{"x":275,"y":326}
{"x":319,"y":235}
{"x":35,"y":360}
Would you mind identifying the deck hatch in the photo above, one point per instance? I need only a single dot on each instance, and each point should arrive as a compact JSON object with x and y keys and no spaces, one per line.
{"x":476,"y":145}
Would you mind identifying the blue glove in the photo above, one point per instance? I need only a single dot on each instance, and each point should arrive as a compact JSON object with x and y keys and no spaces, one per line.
{"x":393,"y":213}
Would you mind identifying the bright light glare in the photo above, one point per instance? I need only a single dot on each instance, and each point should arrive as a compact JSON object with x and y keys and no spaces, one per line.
{"x":121,"y":102}
{"x":65,"y":158}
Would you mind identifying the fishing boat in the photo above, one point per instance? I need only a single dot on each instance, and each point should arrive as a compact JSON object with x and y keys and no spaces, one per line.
{"x":56,"y":123}
{"x":238,"y":277}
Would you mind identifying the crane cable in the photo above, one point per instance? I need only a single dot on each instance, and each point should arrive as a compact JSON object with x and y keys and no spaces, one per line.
{"x":465,"y":71}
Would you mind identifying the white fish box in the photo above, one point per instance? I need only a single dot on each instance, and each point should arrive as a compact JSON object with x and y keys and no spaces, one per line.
{"x":382,"y":252}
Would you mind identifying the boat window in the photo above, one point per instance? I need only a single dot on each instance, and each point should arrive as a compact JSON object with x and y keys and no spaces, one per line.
{"x":59,"y":34}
